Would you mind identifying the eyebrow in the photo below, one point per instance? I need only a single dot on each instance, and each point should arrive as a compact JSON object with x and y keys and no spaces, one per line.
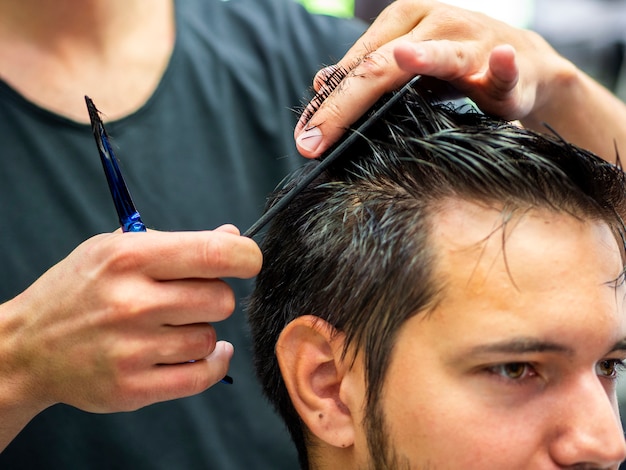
{"x":619,"y":346}
{"x":523,"y":345}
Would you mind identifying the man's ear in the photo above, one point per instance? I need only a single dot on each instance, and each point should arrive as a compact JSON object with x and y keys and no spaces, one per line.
{"x":309,"y":353}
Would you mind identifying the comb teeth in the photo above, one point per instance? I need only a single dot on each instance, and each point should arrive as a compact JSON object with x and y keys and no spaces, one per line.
{"x":319,"y":169}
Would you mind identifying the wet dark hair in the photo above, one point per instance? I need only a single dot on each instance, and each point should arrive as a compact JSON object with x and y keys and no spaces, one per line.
{"x":355,"y":248}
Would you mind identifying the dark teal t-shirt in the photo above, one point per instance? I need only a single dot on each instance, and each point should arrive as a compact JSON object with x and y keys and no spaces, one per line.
{"x":205,"y":150}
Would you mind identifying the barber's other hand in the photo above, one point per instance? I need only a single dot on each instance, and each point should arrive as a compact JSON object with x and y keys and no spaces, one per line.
{"x":507,"y":71}
{"x":114,"y":325}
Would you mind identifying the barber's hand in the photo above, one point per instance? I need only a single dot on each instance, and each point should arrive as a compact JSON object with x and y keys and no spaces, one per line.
{"x":114,"y":325}
{"x":506,"y":71}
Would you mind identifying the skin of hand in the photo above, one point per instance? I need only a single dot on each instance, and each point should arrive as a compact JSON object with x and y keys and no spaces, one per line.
{"x":509,"y":72}
{"x":113,"y":326}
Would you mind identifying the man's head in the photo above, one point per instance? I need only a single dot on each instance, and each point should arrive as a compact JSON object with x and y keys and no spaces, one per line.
{"x":448,"y":295}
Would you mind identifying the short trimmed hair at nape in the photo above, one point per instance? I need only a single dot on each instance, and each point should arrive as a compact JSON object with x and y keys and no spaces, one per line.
{"x":354,"y":248}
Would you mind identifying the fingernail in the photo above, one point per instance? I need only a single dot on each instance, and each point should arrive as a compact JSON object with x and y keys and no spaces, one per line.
{"x":310,"y":139}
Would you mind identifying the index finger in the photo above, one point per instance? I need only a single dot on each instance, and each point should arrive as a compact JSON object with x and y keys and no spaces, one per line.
{"x":184,"y":255}
{"x":332,"y":111}
{"x":366,"y":72}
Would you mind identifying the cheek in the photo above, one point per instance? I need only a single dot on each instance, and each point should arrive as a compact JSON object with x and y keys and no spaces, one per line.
{"x":423,"y":424}
{"x":434,"y":421}
{"x":421,"y":414}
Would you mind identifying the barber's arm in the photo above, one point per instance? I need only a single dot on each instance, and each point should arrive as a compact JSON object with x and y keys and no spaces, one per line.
{"x":114,"y":326}
{"x":509,"y":72}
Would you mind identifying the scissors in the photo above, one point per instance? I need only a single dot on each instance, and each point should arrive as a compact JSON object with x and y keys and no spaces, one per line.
{"x":130,"y":220}
{"x":129,"y":217}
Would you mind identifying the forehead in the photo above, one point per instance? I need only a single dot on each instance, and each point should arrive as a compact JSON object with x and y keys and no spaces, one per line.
{"x":532,"y":269}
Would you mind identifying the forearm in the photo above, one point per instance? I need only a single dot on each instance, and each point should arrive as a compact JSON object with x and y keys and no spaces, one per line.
{"x":583,"y":112}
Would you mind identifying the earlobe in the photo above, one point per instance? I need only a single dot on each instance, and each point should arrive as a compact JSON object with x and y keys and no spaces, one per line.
{"x":309,"y":355}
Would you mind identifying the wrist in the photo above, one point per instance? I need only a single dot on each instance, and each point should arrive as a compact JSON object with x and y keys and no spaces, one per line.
{"x":21,"y":398}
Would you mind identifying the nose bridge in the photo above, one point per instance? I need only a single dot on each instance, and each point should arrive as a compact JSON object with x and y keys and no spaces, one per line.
{"x":589,"y":428}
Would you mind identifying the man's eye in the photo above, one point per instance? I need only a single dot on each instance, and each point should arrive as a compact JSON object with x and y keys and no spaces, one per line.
{"x":514,"y":370}
{"x":609,"y":368}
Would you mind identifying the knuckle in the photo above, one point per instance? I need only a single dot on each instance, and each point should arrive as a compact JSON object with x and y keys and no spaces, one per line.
{"x":123,"y":360}
{"x":231,"y":255}
{"x":411,"y":12}
{"x":200,"y":382}
{"x":122,"y":304}
{"x":125,"y":386}
{"x":222,"y":301}
{"x":215,"y":253}
{"x":228,"y":302}
{"x":116,"y":254}
{"x":373,"y":65}
{"x":124,"y":258}
{"x":331,"y":112}
{"x":408,"y":8}
{"x":459,"y":52}
{"x":204,"y":341}
{"x":93,"y":247}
